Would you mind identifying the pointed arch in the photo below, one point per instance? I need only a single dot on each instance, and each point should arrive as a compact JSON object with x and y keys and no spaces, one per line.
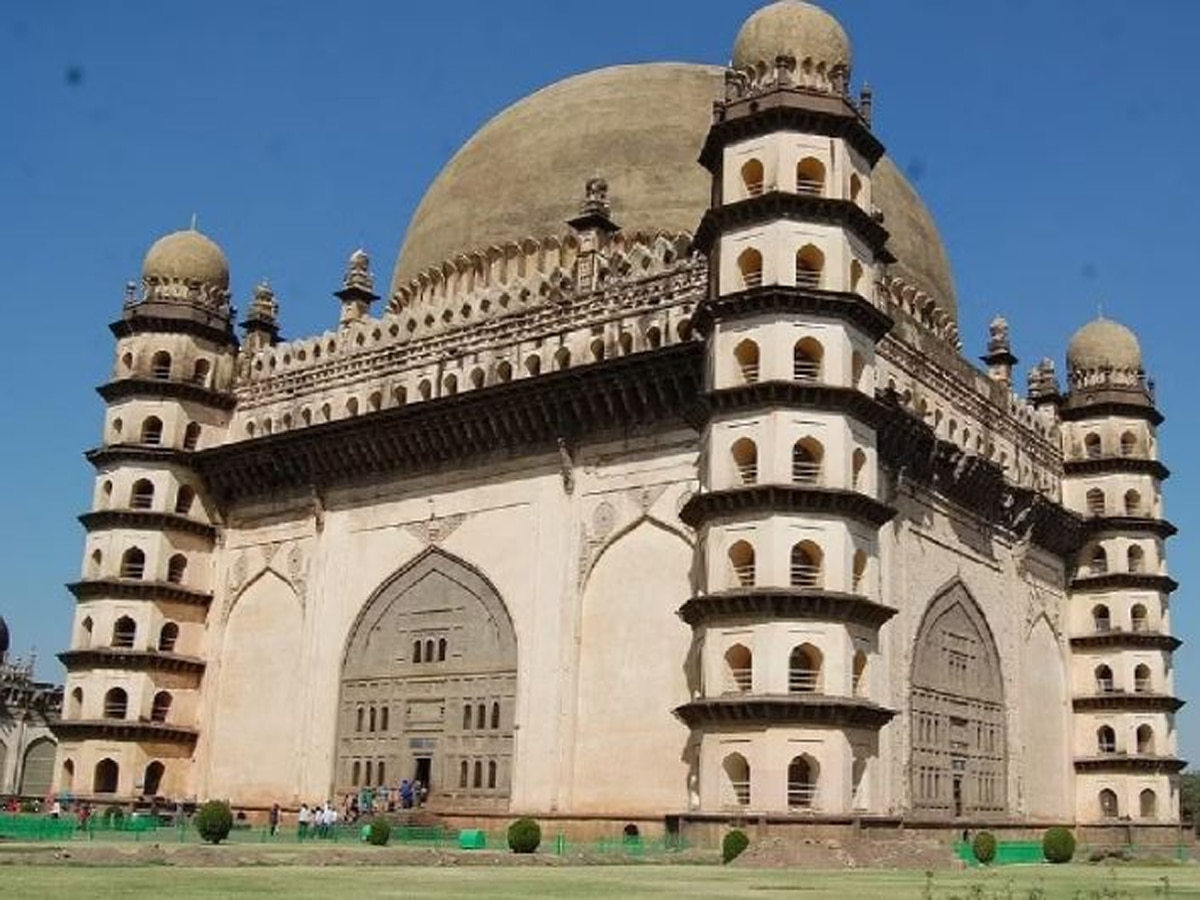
{"x":644,"y":519}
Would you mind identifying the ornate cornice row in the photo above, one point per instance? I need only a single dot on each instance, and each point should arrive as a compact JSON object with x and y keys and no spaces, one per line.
{"x":1126,"y":640}
{"x":784,"y":498}
{"x":1137,"y":524}
{"x":775,"y":298}
{"x":162,"y":389}
{"x":1122,"y":763}
{"x":1117,"y":701}
{"x":1117,"y":465}
{"x":790,"y":709}
{"x":776,"y":206}
{"x":150,"y":317}
{"x":137,"y":660}
{"x":145,"y":520}
{"x":534,"y":415}
{"x":1117,"y":581}
{"x":137,"y":453}
{"x":763,"y":395}
{"x":1107,"y":400}
{"x":130,"y":589}
{"x":802,"y":604}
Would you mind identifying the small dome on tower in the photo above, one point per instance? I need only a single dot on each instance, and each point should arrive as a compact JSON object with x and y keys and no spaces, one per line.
{"x":186,"y":256}
{"x":792,"y":28}
{"x":1104,"y":344}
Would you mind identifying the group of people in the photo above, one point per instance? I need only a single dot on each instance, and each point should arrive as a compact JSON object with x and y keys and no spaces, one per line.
{"x":368,"y":801}
{"x":318,"y":822}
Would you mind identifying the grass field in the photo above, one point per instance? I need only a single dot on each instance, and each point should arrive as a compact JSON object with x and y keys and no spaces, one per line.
{"x":533,"y":882}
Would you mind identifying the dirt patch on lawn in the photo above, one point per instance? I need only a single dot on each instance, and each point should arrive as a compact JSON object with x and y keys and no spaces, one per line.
{"x":867,"y":853}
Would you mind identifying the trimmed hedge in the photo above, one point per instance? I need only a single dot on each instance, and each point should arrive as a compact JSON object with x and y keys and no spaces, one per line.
{"x":1058,"y":844}
{"x":733,"y":844}
{"x":214,"y":821}
{"x":379,"y":831}
{"x":524,"y":836}
{"x":984,"y":847}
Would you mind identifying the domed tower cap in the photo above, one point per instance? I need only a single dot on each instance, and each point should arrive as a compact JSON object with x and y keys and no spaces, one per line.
{"x":1104,"y":345}
{"x":186,"y":256}
{"x":792,"y":28}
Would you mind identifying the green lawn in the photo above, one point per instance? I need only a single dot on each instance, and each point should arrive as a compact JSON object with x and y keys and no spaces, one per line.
{"x":535,"y":882}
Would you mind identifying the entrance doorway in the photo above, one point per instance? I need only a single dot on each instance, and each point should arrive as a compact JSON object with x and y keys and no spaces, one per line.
{"x":425,"y":772}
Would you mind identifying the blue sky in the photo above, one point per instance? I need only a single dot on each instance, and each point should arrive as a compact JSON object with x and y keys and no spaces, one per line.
{"x":1054,"y":142}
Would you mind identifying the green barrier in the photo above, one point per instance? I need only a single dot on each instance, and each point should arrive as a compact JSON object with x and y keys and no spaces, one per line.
{"x":472,"y":839}
{"x":34,"y":827}
{"x":1007,"y":853}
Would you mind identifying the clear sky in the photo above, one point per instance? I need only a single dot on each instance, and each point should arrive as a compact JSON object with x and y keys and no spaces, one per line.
{"x":1055,"y":143}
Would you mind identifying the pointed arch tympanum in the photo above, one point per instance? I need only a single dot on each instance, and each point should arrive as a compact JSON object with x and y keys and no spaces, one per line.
{"x":435,"y":598}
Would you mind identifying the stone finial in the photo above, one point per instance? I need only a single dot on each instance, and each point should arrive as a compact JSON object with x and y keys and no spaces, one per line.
{"x":866,"y":100}
{"x":261,"y":324}
{"x":594,"y":223}
{"x":999,"y":357}
{"x":998,"y":341}
{"x":358,"y":272}
{"x":595,"y":197}
{"x":1043,"y":381}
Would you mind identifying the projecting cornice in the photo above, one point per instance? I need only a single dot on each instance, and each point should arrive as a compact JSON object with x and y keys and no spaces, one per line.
{"x":1120,"y":763}
{"x":789,"y":709}
{"x":136,"y":660}
{"x":784,"y":498}
{"x":1117,"y":581}
{"x":1118,"y":701}
{"x":1117,"y":465}
{"x":784,"y":298}
{"x":112,"y":454}
{"x":131,"y":589}
{"x":1096,"y":525}
{"x":763,"y":395}
{"x":162,"y":389}
{"x":776,"y":206}
{"x":149,"y":317}
{"x":774,"y":604}
{"x":1127,"y":640}
{"x":122,"y":730}
{"x":145,"y":520}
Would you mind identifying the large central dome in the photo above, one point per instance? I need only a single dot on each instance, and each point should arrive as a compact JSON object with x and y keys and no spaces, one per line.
{"x":641,"y":128}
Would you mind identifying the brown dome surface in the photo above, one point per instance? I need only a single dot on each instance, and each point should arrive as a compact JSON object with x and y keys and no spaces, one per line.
{"x":641,"y":128}
{"x":791,"y":28}
{"x":187,"y":256}
{"x":1104,"y":344}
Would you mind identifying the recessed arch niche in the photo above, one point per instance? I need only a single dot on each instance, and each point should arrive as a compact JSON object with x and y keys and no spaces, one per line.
{"x":958,"y":745}
{"x":434,"y":599}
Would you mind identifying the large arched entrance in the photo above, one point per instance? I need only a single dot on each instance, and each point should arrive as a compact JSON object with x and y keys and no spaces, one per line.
{"x":428,"y":687}
{"x":957,"y":731}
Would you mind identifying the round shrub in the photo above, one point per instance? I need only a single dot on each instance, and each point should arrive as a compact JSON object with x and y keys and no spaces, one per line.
{"x":214,"y":821}
{"x":1058,"y":844}
{"x":984,"y":847}
{"x":379,"y":831}
{"x":733,"y":844}
{"x":524,"y":835}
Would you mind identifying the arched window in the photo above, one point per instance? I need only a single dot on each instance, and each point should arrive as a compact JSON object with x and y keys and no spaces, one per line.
{"x":858,"y":367}
{"x":1145,"y":740}
{"x":75,"y":710}
{"x":425,"y":389}
{"x":464,"y":771}
{"x":746,"y":354}
{"x":85,"y":629}
{"x":356,"y":773}
{"x":68,"y":775}
{"x":810,"y":177}
{"x":416,"y":651}
{"x":1136,"y":558}
{"x":375,"y":401}
{"x":859,"y":572}
{"x":367,"y":769}
{"x":97,"y":560}
{"x":807,"y":457}
{"x":1141,"y":679}
{"x":106,"y":776}
{"x":802,"y":782}
{"x":562,"y":359}
{"x":858,"y":468}
{"x":160,"y":365}
{"x":750,"y":265}
{"x":1128,"y":444}
{"x":597,"y":350}
{"x":741,"y":559}
{"x":1106,"y":739}
{"x":383,"y":718}
{"x":1101,"y":618}
{"x":152,"y":779}
{"x":806,"y":565}
{"x":152,"y":431}
{"x":441,"y":650}
{"x":504,"y":371}
{"x":1139,"y":620}
{"x":653,"y":337}
{"x":477,"y":781}
{"x":1133,"y":503}
{"x":752,"y":178}
{"x":133,"y":563}
{"x":430,"y":649}
{"x":804,"y":670}
{"x":477,"y":378}
{"x":116,"y":704}
{"x":1095,"y":502}
{"x":1099,"y":562}
{"x":371,"y":715}
{"x":127,"y":362}
{"x":856,"y":276}
{"x":184,"y":499}
{"x":739,"y":669}
{"x":736,"y":786}
{"x":1104,"y":679}
{"x":481,"y":716}
{"x":191,"y":436}
{"x":450,"y":386}
{"x":142,"y":494}
{"x":168,"y":636}
{"x":745,"y":460}
{"x":1091,"y":445}
{"x":176,"y":568}
{"x":858,"y":683}
{"x":533,"y":364}
{"x":200,"y":372}
{"x":352,"y":406}
{"x":1108,"y":804}
{"x":810,"y":262}
{"x":855,"y":187}
{"x":625,"y":343}
{"x":491,"y":773}
{"x":806,"y":360}
{"x":124,"y":632}
{"x":495,"y":716}
{"x":161,"y":707}
{"x":380,"y":778}
{"x":1148,"y":804}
